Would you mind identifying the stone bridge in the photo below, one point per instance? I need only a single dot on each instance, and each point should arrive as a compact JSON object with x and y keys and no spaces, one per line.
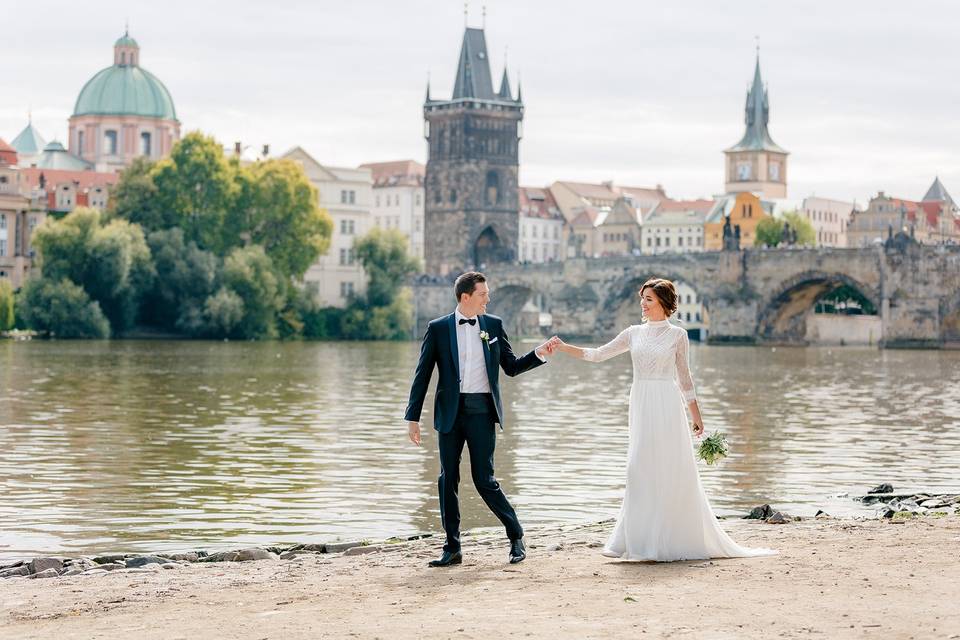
{"x":750,"y":296}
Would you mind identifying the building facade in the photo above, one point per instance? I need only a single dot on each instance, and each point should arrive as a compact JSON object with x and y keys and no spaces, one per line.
{"x":17,"y":220}
{"x":932,"y":220}
{"x":346,"y":194}
{"x":673,"y":230}
{"x":541,"y":226}
{"x":757,"y":164}
{"x":398,"y":200}
{"x":829,"y":219}
{"x":122,"y":113}
{"x":742,"y":211}
{"x":472,"y":192}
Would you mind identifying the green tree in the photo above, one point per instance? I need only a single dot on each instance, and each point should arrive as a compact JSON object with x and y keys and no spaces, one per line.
{"x":199,"y":185}
{"x":278,"y":210}
{"x":806,"y":235}
{"x":222,"y":313}
{"x":186,"y":277}
{"x":769,"y":232}
{"x":251,"y":275}
{"x":110,"y":261}
{"x":6,"y":305}
{"x":61,"y":309}
{"x":388,"y":265}
{"x":134,"y":198}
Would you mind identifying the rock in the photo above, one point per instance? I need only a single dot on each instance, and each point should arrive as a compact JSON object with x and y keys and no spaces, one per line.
{"x":95,"y":572}
{"x":189,"y":557}
{"x":142,"y":561}
{"x":778,"y":518}
{"x":71,"y":572}
{"x":46,"y":573}
{"x":170,"y":565}
{"x":290,"y":555}
{"x":39,"y":565}
{"x":108,"y":559}
{"x":223,"y":556}
{"x":111,"y":566}
{"x":821,"y":515}
{"x":255,"y":554}
{"x":337,"y":547}
{"x":18,"y":563}
{"x":932,"y":504}
{"x":759,"y":513}
{"x":79,"y":563}
{"x":362,"y":550}
{"x":882,"y":488}
{"x":318,"y":548}
{"x":22,"y":570}
{"x":555,"y":547}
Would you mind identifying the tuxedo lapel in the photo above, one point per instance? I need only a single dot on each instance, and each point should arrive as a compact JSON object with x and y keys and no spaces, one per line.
{"x":485,"y":345}
{"x":452,"y":328}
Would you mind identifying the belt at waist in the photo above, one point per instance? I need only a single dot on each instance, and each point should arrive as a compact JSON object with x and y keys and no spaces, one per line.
{"x":476,"y":402}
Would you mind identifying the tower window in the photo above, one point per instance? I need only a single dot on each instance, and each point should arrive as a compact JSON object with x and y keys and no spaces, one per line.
{"x":453,"y":196}
{"x":493,"y":188}
{"x":145,"y":144}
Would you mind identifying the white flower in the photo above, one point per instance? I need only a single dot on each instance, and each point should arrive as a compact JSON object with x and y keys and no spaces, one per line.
{"x":484,"y":336}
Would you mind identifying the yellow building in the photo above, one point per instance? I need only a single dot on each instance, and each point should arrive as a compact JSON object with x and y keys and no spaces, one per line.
{"x":745,"y":211}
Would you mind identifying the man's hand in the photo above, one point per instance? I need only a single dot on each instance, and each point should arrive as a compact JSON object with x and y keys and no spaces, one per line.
{"x":547,"y":348}
{"x":413,"y":431}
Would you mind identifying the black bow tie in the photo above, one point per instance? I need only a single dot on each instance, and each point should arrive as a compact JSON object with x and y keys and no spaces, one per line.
{"x":471,"y":321}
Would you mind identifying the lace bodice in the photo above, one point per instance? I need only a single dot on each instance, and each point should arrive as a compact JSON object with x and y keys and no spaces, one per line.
{"x":659,"y":351}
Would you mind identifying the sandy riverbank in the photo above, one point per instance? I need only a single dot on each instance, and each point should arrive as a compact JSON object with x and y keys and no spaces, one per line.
{"x":832,"y":579}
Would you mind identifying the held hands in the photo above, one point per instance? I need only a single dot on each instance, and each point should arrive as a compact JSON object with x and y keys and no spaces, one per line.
{"x":549,"y":347}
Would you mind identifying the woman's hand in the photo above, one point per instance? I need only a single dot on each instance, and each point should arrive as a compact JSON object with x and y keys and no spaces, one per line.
{"x":697,"y":428}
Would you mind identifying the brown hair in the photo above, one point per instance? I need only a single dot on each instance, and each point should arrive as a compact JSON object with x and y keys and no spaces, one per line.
{"x":664,"y":291}
{"x":467,"y":283}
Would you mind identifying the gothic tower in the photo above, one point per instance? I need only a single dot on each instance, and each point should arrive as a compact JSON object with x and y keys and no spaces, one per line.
{"x":471,"y":217}
{"x":756,"y":163}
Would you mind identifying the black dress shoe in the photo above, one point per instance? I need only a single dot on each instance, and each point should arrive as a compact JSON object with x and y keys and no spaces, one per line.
{"x":448,"y":558}
{"x":517,"y":551}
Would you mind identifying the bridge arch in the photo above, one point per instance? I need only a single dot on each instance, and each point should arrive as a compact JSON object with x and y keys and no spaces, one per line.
{"x":782,"y":316}
{"x":514,"y":302}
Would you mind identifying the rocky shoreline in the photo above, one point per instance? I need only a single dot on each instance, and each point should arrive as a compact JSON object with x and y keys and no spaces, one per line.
{"x":890,"y":506}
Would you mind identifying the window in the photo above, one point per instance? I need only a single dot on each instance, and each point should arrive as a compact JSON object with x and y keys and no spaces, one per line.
{"x":351,"y":227}
{"x":649,"y":242}
{"x":80,"y":142}
{"x":343,"y":256}
{"x":667,"y":241}
{"x":680,"y":241}
{"x":3,"y":222}
{"x":145,"y":144}
{"x":110,"y":142}
{"x":346,"y":289}
{"x":3,"y":247}
{"x":688,"y":300}
{"x":688,"y":316}
{"x":350,"y":257}
{"x":493,"y":188}
{"x":378,"y":201}
{"x":658,"y":242}
{"x":347,"y":227}
{"x":353,"y":197}
{"x":418,"y":199}
{"x":453,"y":196}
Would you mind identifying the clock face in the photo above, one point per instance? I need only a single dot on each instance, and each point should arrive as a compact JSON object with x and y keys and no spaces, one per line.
{"x":774,"y":170}
{"x":743,"y":171}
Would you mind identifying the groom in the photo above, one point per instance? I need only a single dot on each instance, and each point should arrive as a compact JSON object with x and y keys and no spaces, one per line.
{"x":468,"y":348}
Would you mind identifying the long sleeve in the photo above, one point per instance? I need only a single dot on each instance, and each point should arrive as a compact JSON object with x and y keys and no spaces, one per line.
{"x":421,"y":379}
{"x":684,"y":379}
{"x":511,"y":364}
{"x":615,"y":347}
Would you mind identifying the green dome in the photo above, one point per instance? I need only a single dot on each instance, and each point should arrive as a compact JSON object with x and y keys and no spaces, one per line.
{"x":125,"y":90}
{"x":126,"y":41}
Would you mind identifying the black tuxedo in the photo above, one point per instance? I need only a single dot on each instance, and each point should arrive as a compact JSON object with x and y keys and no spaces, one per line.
{"x":466,"y":418}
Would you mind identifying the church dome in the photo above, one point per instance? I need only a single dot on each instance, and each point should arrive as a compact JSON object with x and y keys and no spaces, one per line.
{"x":125,"y":88}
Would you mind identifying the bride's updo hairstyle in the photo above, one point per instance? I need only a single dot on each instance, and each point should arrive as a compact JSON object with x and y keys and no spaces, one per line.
{"x":664,"y":291}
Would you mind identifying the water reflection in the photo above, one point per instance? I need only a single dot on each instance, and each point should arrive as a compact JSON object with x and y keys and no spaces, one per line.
{"x":175,"y":445}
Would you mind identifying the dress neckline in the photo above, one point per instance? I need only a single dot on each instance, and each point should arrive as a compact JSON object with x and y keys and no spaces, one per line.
{"x":657,"y":323}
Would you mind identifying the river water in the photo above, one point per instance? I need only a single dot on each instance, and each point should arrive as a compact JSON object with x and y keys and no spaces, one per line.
{"x":155,"y":445}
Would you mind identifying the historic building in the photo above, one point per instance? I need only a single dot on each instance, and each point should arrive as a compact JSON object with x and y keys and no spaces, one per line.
{"x":398,"y":199}
{"x":739,"y":213}
{"x":932,"y":220}
{"x":346,"y":195}
{"x":472,"y":202}
{"x":29,"y":144}
{"x":756,"y":163}
{"x":829,"y":218}
{"x":17,"y":221}
{"x":675,"y":226}
{"x":123,"y":112}
{"x":541,"y":226}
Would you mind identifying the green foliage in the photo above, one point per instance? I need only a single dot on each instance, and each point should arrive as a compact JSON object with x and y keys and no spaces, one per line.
{"x":110,"y":261}
{"x":385,"y":259}
{"x":222,"y":313}
{"x":250,"y":274}
{"x":806,"y":235}
{"x":842,"y":297}
{"x":134,"y":198}
{"x":769,"y":232}
{"x":62,"y":309}
{"x":6,"y":305}
{"x":186,"y":277}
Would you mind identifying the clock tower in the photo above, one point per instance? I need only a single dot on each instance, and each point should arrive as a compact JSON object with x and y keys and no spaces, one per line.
{"x":756,"y":163}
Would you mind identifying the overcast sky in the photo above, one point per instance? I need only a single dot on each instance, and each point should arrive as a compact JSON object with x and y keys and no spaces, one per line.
{"x":865,"y":94}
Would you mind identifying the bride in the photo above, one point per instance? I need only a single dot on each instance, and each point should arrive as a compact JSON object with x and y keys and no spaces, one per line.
{"x":665,"y":514}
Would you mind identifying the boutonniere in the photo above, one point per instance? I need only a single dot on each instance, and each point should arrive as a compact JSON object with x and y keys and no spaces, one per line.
{"x":485,"y":337}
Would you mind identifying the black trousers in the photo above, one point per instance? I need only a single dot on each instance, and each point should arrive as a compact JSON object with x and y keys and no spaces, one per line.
{"x":475,"y":427}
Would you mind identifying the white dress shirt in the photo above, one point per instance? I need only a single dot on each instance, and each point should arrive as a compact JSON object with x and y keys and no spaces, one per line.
{"x":473,"y":365}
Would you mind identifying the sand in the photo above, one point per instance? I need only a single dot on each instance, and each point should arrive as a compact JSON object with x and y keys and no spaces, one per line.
{"x":832,"y":579}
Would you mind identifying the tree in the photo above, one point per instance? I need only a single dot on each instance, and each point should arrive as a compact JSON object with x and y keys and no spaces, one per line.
{"x":805,"y":233}
{"x":134,"y":198}
{"x":62,"y":309}
{"x":769,"y":232}
{"x":199,"y":186}
{"x":186,"y":277}
{"x":251,"y":275}
{"x":388,"y":265}
{"x":278,"y":210}
{"x":111,"y":261}
{"x":6,"y":305}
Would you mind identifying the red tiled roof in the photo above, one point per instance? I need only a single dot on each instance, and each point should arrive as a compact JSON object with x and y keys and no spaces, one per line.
{"x":8,"y":155}
{"x":700,"y":206}
{"x":536,"y":202}
{"x":84,"y":179}
{"x":396,"y":173}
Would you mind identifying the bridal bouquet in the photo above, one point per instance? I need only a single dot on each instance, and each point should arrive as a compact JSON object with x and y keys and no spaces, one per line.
{"x":713,"y":447}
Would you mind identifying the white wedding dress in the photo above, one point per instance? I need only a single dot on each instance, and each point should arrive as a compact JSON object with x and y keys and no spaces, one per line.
{"x":665,"y":514}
